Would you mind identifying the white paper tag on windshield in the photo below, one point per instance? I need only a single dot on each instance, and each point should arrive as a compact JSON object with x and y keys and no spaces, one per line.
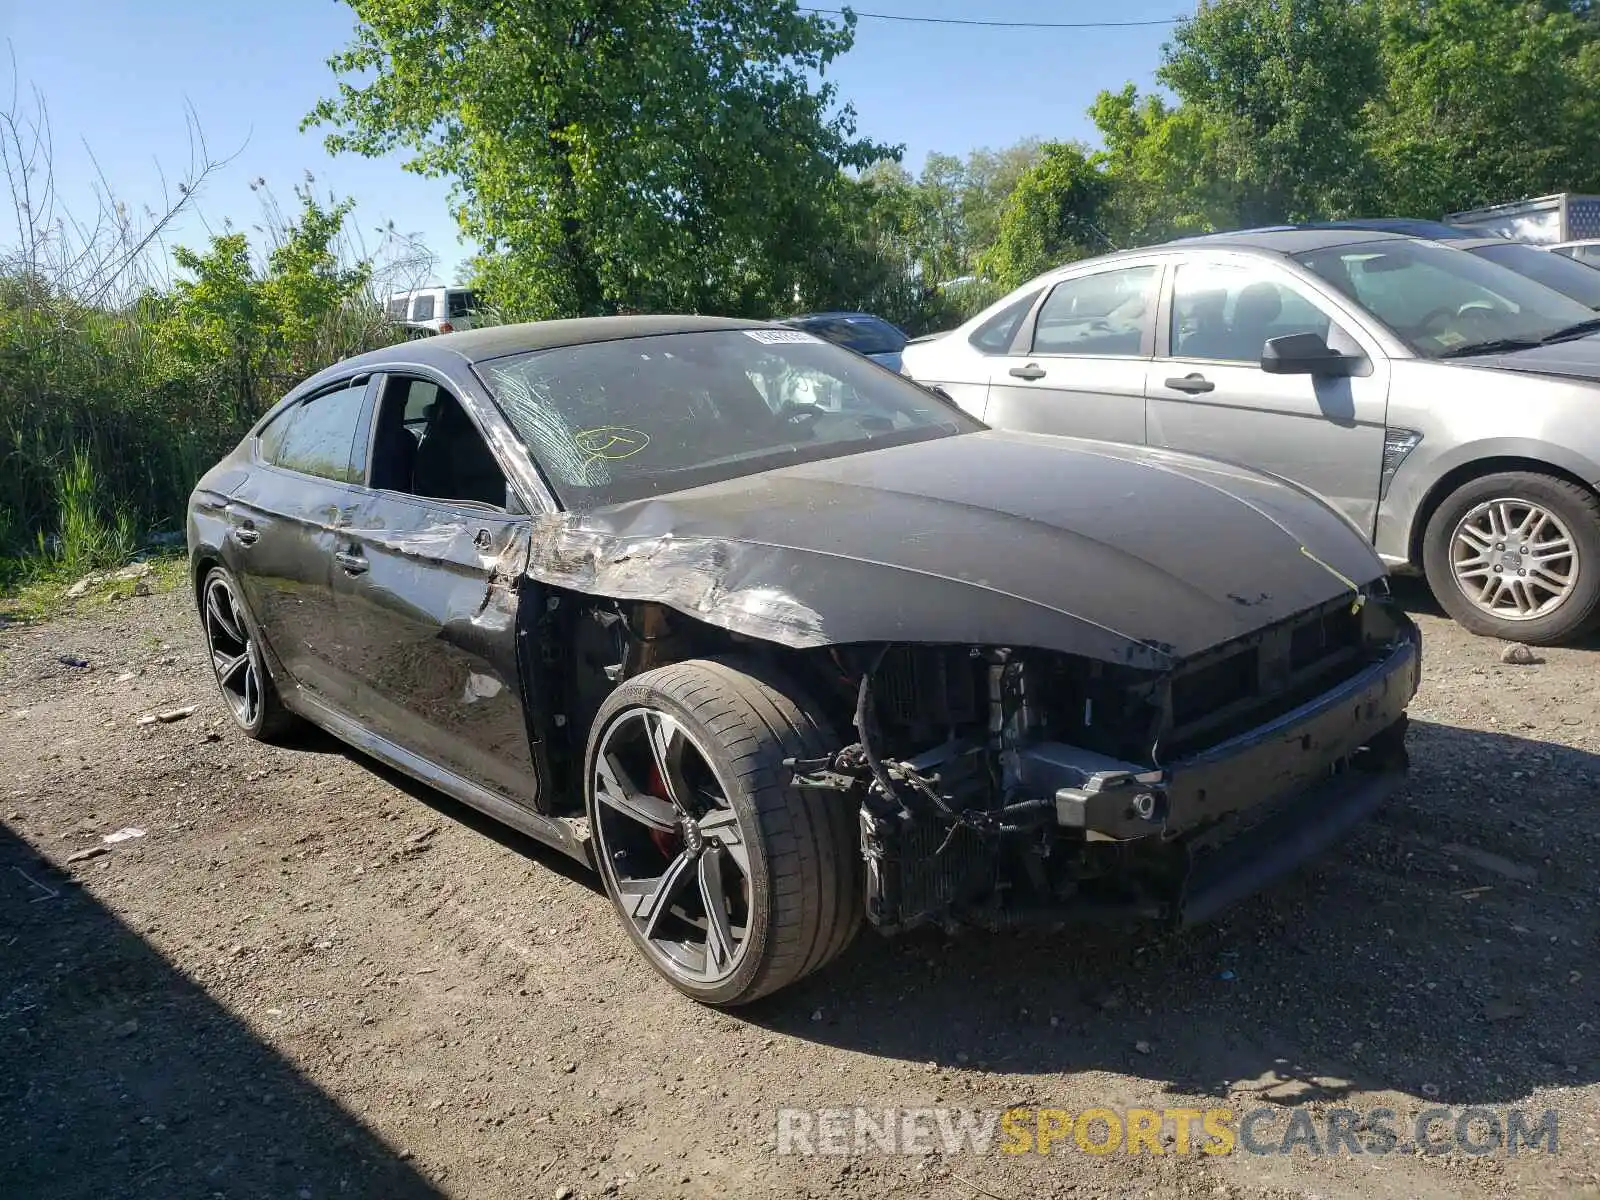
{"x":773,"y":337}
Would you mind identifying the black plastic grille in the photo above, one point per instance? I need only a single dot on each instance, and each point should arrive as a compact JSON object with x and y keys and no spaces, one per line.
{"x":1251,"y":681}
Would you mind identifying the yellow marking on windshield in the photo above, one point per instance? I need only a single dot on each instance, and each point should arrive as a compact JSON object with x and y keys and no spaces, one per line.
{"x":609,"y":442}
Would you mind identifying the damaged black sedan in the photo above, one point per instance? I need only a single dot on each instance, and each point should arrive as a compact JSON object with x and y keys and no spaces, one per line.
{"x":780,"y":642}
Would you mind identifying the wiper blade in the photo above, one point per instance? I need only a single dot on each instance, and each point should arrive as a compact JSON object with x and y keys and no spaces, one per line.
{"x":1576,"y":330}
{"x":1495,"y":346}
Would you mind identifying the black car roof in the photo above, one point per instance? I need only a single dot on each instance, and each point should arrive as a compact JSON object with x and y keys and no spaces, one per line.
{"x":475,"y":345}
{"x":448,"y":351}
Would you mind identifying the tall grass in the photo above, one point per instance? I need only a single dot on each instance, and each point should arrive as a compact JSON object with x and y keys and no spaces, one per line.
{"x":118,"y":384}
{"x":85,"y":538}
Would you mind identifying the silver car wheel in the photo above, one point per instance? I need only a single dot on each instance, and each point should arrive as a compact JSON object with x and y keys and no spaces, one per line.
{"x":671,"y":845}
{"x":233,"y":652}
{"x":1514,"y":559}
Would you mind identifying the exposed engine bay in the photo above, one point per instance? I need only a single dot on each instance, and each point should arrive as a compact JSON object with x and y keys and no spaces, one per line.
{"x":1004,"y":785}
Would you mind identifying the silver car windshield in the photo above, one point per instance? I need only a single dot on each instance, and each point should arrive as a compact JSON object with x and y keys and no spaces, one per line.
{"x":1441,"y":302}
{"x":609,"y":422}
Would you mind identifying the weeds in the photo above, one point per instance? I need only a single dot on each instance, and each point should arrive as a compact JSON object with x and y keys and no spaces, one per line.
{"x":118,"y":385}
{"x":85,"y":539}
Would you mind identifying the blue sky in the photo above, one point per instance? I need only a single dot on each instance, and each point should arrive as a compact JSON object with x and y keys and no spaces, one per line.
{"x":117,"y":75}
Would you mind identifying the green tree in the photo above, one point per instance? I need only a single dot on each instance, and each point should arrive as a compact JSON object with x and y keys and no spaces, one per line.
{"x":1485,"y":101}
{"x":1052,"y":216}
{"x":252,"y":328}
{"x":941,"y":190}
{"x":653,"y":153}
{"x":1282,"y":88}
{"x":940,"y":223}
{"x":1159,"y":161}
{"x":991,"y":177}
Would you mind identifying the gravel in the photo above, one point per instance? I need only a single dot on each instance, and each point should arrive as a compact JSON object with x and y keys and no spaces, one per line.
{"x":312,"y":977}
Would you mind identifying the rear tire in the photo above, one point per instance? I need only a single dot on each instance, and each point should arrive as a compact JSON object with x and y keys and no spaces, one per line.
{"x":713,"y":816}
{"x":1516,"y":555}
{"x":238,"y":662}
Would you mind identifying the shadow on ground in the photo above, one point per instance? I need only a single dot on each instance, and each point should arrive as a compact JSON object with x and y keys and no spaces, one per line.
{"x":1433,"y":954}
{"x":143,"y":1085}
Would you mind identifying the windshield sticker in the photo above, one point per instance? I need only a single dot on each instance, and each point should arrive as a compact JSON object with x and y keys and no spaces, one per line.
{"x":1450,"y":337}
{"x":609,"y":443}
{"x":775,"y":337}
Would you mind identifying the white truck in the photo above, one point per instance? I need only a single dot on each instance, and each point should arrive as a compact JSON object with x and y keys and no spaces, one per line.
{"x":426,"y":310}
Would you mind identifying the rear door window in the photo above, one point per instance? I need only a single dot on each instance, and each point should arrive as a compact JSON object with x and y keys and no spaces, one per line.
{"x":461,"y":304}
{"x":994,"y":335}
{"x":319,"y":438}
{"x":1106,"y":313}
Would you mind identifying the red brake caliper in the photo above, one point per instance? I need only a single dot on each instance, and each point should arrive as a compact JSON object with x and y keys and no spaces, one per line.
{"x":669,"y":842}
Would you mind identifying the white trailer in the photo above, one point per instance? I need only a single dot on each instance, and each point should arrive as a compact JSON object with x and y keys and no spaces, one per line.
{"x":1543,"y":220}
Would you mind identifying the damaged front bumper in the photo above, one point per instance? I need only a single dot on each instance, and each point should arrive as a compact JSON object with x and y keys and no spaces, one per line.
{"x":1120,"y":801}
{"x":1177,"y":842}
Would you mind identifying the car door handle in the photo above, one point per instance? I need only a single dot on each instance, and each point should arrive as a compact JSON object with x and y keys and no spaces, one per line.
{"x":1193,"y":383}
{"x":1031,"y":371}
{"x":246,"y":535}
{"x":353,"y":564}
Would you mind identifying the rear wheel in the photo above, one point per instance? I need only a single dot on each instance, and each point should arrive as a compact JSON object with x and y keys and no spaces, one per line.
{"x":236,"y":662}
{"x":731,"y":881}
{"x":1517,"y":556}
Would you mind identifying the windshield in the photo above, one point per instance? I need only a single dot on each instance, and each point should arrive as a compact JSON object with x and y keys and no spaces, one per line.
{"x":858,"y":332}
{"x":1566,"y":276}
{"x":1444,"y":302}
{"x":614,"y":421}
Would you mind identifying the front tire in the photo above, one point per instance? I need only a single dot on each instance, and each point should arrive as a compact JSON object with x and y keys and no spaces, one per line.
{"x":732,"y":882}
{"x":1516,"y":555}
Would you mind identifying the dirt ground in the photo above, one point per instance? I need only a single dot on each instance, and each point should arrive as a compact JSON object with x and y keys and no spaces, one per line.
{"x":311,"y":978}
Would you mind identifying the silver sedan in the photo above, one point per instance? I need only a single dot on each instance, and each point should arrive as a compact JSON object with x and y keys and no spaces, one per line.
{"x":1444,"y":404}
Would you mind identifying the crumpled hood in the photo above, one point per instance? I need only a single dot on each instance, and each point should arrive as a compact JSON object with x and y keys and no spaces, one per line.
{"x":1113,"y":552}
{"x":1577,"y":359}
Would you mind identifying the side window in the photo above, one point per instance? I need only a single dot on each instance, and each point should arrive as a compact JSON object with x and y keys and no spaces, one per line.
{"x":422,"y":308}
{"x":424,"y":444}
{"x":321,"y":434}
{"x":994,"y":335}
{"x":419,"y":398}
{"x":1228,"y":312}
{"x":271,"y":437}
{"x":395,"y":309}
{"x":1105,"y":313}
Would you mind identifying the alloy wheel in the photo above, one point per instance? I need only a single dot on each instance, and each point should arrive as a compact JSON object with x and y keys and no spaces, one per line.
{"x":671,"y":846}
{"x":233,"y":652}
{"x":1514,"y":559}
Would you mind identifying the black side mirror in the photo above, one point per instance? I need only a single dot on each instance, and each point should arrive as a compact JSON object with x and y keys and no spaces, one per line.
{"x":1306,"y":354}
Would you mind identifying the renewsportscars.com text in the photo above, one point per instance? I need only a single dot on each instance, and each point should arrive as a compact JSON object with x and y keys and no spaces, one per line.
{"x":1269,"y":1129}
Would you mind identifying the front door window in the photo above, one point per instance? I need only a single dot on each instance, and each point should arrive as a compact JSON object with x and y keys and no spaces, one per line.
{"x":1227,"y":312}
